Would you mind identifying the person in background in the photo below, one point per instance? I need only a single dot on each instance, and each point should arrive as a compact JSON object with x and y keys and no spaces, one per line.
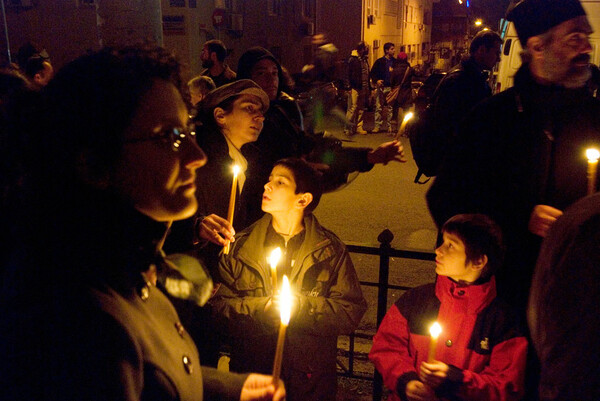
{"x":402,"y":77}
{"x":213,"y":57}
{"x":466,"y":85}
{"x":112,"y":164}
{"x":328,"y":300}
{"x":283,"y":134}
{"x":481,"y":351}
{"x":381,"y":74}
{"x":199,"y":87}
{"x":35,"y":64}
{"x":358,"y":80}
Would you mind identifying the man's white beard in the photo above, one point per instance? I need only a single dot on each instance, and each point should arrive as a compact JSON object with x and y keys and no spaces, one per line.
{"x":571,"y":78}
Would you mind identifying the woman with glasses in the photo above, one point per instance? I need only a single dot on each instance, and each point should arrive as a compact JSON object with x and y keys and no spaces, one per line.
{"x":80,"y":313}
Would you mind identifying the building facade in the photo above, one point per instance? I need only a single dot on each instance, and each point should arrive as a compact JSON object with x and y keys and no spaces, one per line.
{"x":68,"y":28}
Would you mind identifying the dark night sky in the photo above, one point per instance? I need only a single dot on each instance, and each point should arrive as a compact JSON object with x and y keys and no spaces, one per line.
{"x":489,"y":10}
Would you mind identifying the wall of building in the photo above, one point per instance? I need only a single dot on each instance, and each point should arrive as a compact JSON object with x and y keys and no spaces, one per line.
{"x":406,"y":23}
{"x":66,"y":29}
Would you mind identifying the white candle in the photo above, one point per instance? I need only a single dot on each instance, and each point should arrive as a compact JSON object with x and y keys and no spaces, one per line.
{"x":592,"y":155}
{"x":236,"y":170}
{"x":285,"y":311}
{"x":435,"y":332}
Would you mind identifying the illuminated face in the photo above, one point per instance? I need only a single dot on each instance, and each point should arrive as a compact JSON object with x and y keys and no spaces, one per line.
{"x":451,"y":260}
{"x":158,"y":178}
{"x":567,"y":58}
{"x":245,"y":121}
{"x":280,"y":192}
{"x":266,"y":75}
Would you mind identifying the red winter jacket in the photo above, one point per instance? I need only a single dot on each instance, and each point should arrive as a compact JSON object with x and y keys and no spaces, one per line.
{"x":480,"y":341}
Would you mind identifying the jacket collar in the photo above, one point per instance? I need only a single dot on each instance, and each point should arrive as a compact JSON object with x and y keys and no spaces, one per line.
{"x":472,"y":299}
{"x":314,"y":239}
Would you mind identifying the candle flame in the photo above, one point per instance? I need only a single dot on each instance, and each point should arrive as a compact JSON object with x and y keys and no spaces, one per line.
{"x":285,"y":301}
{"x":408,"y":116}
{"x":592,"y":154}
{"x":435,"y":330}
{"x":236,"y":169}
{"x":274,"y":258}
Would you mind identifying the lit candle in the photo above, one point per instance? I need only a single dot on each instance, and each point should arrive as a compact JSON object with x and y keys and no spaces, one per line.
{"x":285,"y":309}
{"x":435,"y":331}
{"x":407,"y":117}
{"x":593,"y":155}
{"x":236,"y":170}
{"x":273,"y":260}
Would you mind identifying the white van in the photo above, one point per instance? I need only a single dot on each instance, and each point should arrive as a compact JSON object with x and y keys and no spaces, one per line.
{"x":510,"y":60}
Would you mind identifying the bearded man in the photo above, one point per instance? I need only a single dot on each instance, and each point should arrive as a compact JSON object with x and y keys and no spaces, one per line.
{"x":213,"y":57}
{"x":520,"y":155}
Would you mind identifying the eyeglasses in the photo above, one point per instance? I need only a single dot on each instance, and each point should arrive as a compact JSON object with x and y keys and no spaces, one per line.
{"x":172,"y":136}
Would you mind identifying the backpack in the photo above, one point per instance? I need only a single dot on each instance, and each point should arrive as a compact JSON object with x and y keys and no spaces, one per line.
{"x":428,"y":141}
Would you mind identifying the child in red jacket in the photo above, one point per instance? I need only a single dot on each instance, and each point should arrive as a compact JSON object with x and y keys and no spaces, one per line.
{"x":481,"y":351}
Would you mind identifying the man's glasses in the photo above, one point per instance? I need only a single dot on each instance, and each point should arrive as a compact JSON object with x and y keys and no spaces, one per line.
{"x":172,"y":136}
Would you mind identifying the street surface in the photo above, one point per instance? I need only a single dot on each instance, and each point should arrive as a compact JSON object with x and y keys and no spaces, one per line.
{"x":384,"y":197}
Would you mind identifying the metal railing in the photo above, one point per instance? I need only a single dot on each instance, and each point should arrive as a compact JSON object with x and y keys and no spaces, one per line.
{"x":385,"y":252}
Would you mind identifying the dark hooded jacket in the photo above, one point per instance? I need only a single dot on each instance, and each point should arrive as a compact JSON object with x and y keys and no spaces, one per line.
{"x":283,"y":134}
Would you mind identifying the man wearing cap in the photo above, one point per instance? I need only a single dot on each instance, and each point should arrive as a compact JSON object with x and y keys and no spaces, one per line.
{"x":228,"y":118}
{"x":213,"y":61}
{"x":520,"y":155}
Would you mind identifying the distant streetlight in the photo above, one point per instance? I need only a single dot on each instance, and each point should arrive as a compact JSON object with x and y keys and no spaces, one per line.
{"x":478,"y":22}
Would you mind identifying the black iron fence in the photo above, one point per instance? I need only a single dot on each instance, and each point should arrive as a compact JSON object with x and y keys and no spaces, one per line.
{"x":385,"y":252}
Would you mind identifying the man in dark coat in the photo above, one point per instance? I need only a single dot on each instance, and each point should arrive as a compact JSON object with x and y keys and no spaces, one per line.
{"x":466,"y":84}
{"x":520,"y":155}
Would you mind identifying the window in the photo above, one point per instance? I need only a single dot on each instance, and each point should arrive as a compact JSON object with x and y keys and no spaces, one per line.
{"x":274,"y":7}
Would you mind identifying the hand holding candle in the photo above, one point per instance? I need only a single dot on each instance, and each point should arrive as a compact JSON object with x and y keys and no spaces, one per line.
{"x":236,"y":170}
{"x":592,"y":155}
{"x":285,"y":312}
{"x":273,"y":261}
{"x":435,"y":331}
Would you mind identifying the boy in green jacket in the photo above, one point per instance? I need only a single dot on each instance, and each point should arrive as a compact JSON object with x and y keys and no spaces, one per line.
{"x":328,"y":297}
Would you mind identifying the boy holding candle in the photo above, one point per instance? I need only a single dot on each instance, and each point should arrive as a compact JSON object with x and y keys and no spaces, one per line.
{"x":328,"y":300}
{"x":481,"y":351}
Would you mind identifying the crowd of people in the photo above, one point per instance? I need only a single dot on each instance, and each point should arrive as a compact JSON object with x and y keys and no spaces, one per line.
{"x":135,"y":266}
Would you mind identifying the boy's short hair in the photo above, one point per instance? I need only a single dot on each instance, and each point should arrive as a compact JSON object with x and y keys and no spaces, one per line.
{"x":202,"y":84}
{"x":485,"y":38}
{"x":307,"y":179}
{"x":481,"y":236}
{"x":387,"y":46}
